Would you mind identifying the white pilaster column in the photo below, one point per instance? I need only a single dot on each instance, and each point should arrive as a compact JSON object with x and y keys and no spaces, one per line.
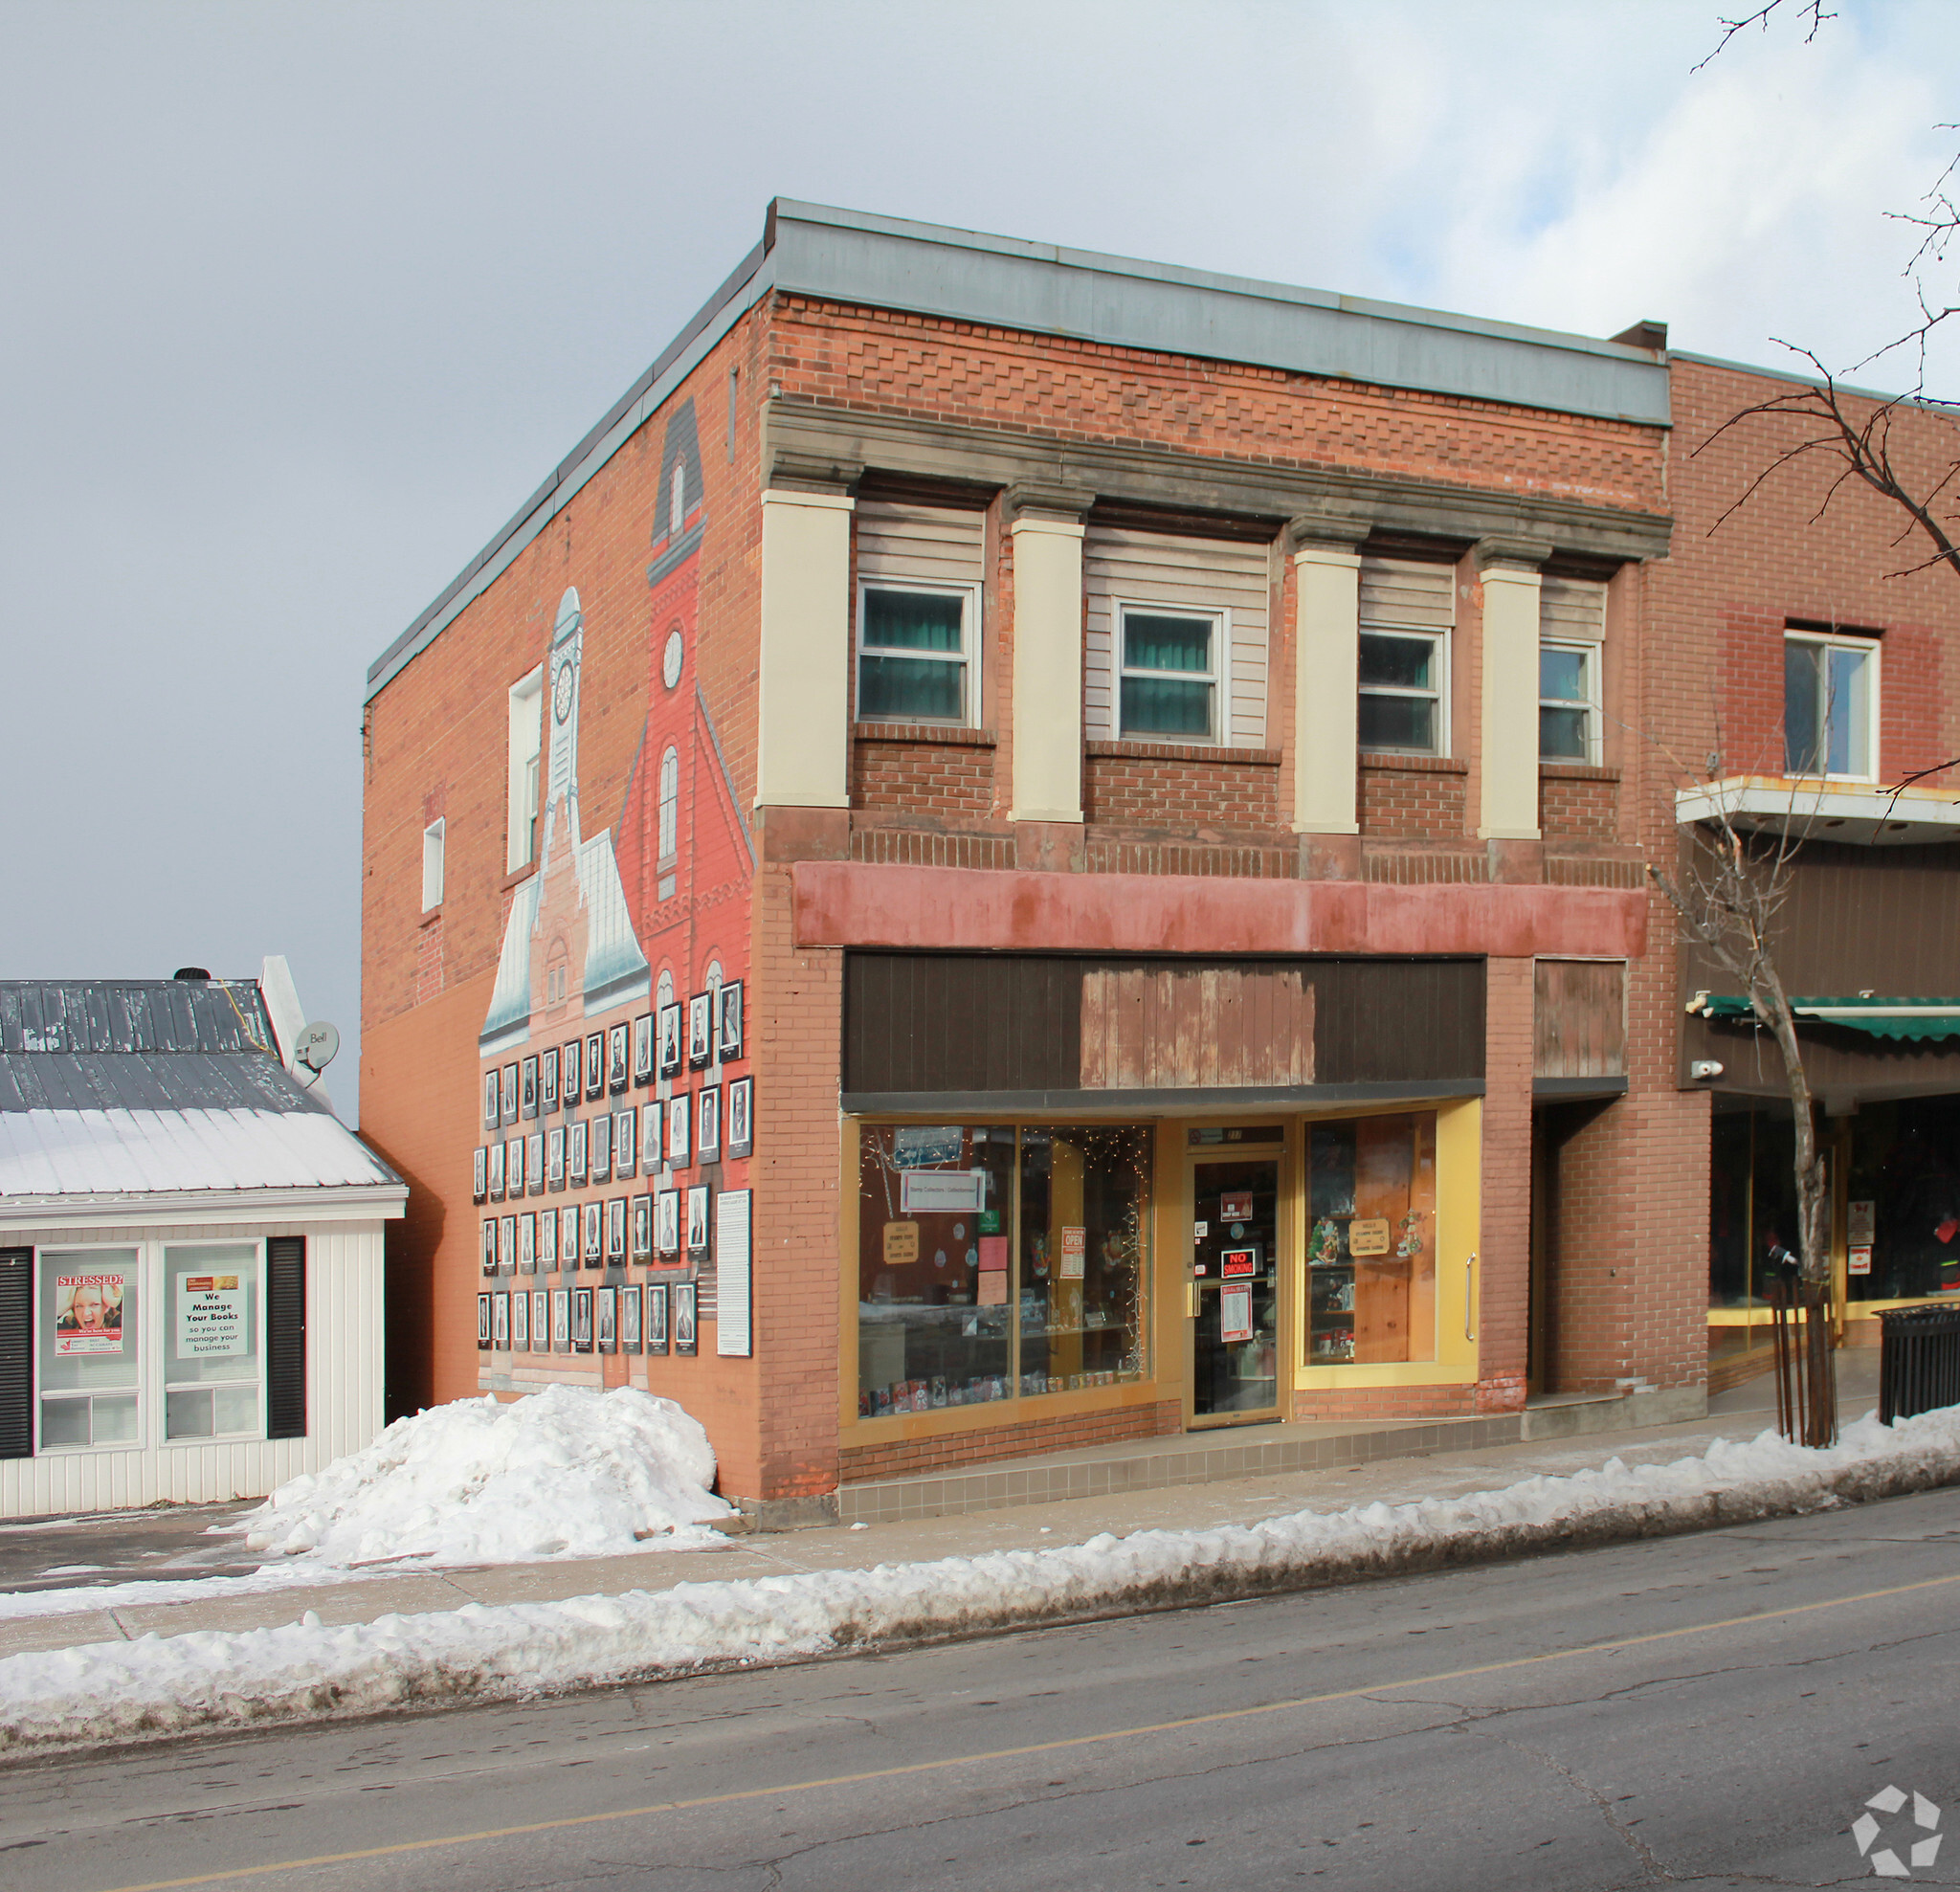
{"x":803,"y":686}
{"x":1508,"y":810}
{"x":1326,"y":685}
{"x":1048,"y":669}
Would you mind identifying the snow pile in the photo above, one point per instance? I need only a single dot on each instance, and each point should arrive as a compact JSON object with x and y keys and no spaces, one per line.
{"x":564,"y":1471}
{"x":211,"y":1678}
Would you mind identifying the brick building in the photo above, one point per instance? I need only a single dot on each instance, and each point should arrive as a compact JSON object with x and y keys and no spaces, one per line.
{"x":1022,"y":849}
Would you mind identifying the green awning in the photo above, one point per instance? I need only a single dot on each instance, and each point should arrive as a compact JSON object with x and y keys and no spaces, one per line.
{"x":1907,"y":1018}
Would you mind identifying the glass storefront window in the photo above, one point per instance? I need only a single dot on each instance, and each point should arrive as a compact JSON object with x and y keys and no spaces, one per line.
{"x":212,"y":1368}
{"x":1906,"y":1162}
{"x":1752,"y":1202}
{"x":1370,"y":1248}
{"x":998,"y":1261}
{"x":89,"y":1340}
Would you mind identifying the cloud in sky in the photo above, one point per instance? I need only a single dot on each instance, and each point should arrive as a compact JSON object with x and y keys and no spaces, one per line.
{"x":301,"y":303}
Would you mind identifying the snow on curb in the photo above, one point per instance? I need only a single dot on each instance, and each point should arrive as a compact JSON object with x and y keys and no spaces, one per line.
{"x":211,"y":1679}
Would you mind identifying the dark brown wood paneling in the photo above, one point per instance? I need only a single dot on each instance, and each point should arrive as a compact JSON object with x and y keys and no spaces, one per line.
{"x":960,"y":1022}
{"x":1578,"y":1019}
{"x":1161,"y":1027}
{"x":1397,"y":1020}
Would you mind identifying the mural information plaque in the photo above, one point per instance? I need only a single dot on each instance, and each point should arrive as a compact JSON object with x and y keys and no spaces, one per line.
{"x":735,"y":1328}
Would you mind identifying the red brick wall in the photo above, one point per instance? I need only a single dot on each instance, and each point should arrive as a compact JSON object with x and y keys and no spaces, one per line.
{"x":1414,"y":794}
{"x":1504,"y":1269}
{"x":904,"y":1458}
{"x":1160,"y":785}
{"x":1575,"y":803}
{"x":930,"y":774}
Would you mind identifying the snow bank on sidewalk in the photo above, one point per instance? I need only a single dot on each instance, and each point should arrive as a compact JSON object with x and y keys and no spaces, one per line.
{"x":209,"y":1679}
{"x":564,"y":1471}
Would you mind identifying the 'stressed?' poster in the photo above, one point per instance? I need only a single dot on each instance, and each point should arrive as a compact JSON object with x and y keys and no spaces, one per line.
{"x":88,"y":1313}
{"x":211,"y":1317}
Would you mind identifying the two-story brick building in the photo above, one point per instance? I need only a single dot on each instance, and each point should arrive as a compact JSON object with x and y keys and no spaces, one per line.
{"x":1023,"y":848}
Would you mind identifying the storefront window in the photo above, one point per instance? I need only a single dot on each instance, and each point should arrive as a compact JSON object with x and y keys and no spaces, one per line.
{"x":214,"y":1374}
{"x":1370,"y":1246}
{"x":1751,"y":1203}
{"x":1904,"y":1192}
{"x":90,"y":1329}
{"x":962,"y":1227}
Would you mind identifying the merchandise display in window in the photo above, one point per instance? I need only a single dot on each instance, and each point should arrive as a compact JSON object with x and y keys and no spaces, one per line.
{"x":1371,"y":1245}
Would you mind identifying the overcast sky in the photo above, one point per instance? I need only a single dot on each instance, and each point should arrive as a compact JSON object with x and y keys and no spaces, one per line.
{"x":298,"y":302}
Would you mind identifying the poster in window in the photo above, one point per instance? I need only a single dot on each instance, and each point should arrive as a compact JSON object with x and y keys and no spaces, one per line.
{"x":667,"y":1222}
{"x":496,"y":1189}
{"x":729,"y":1026}
{"x":657,"y":1317}
{"x":618,"y":1073}
{"x":1075,"y":1251}
{"x":582,"y":1319}
{"x":594,"y":1234}
{"x":507,"y":1245}
{"x":670,"y":1040}
{"x":214,"y":1317}
{"x":548,"y":1240}
{"x":624,"y":1123}
{"x":601,"y":1167}
{"x":680,"y":1129}
{"x":1235,"y":1312}
{"x":88,"y":1312}
{"x":941,"y":1191}
{"x":554,"y":1156}
{"x":514,"y":1166}
{"x":697,"y":1221}
{"x":541,"y":1321}
{"x":707,"y":1125}
{"x":507,"y":1094}
{"x":547,"y":1081}
{"x":595,"y":1063}
{"x":741,"y":1118}
{"x":615,"y":1229}
{"x":734,"y":1326}
{"x":683,"y":1317}
{"x":534,"y":1163}
{"x":527,"y":1244}
{"x":576,"y":1154}
{"x":527,"y":1088}
{"x":568,"y":1235}
{"x":490,"y":1244}
{"x":642,"y":1228}
{"x":649,"y":1116}
{"x":643,"y":1049}
{"x":701,"y":1045}
{"x":499,"y":1322}
{"x":571,"y":1063}
{"x":927,"y":1145}
{"x":521,"y":1323}
{"x":629,"y":1320}
{"x":561,"y":1319}
{"x":492,"y":1107}
{"x":605,"y":1314}
{"x":480,"y":1175}
{"x":484,"y":1322}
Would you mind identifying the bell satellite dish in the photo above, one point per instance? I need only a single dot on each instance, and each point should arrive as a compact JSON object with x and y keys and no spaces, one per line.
{"x":316,"y":1047}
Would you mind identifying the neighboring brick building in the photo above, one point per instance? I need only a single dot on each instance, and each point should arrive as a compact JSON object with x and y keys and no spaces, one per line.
{"x":933,"y":690}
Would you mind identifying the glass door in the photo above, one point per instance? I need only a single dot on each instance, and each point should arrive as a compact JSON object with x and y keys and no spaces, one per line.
{"x":1236,"y":1288}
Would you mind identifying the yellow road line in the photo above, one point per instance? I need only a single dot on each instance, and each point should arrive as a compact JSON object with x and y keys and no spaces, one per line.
{"x":1034,"y":1748}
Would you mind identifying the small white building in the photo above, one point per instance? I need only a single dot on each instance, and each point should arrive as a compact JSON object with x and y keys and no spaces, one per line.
{"x":190,"y":1247}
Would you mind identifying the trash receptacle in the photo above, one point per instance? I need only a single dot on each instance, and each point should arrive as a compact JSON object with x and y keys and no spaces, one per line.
{"x":1919,"y":1360}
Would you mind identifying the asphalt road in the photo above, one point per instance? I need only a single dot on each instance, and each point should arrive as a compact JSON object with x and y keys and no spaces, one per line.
{"x":1705,"y":1711}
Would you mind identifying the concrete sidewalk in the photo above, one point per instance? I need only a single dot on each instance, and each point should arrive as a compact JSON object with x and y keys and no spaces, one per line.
{"x":1738,"y":1415}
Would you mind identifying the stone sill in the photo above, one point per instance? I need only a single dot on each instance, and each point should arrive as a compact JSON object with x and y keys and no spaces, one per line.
{"x":1575,"y":771}
{"x":1184,"y":752}
{"x":430,"y":915}
{"x":1414,"y":764}
{"x":925,"y":732}
{"x":518,"y":877}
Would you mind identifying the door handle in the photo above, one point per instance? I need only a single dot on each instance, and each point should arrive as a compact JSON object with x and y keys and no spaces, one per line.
{"x":1469,"y":1298}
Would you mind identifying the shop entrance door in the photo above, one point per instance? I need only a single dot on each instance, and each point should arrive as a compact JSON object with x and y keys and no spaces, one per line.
{"x":1235,"y":1289}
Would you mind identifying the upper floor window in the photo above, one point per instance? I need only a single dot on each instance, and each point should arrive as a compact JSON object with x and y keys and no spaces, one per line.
{"x":919,"y":575}
{"x":670,"y":804}
{"x":1408,"y":611}
{"x":432,"y":863}
{"x":526,"y":744}
{"x":1830,"y":705}
{"x":676,"y":500}
{"x":1572,"y":623}
{"x":1169,"y":685}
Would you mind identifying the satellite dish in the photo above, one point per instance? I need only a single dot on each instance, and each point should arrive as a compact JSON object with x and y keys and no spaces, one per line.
{"x":316,"y":1047}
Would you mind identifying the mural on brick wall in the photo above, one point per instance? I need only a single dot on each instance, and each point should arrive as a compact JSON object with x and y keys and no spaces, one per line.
{"x":618,"y":1113}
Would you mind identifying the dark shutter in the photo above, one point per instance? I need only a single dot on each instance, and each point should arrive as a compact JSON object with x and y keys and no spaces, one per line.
{"x":16,"y":1352}
{"x":285,"y":1328}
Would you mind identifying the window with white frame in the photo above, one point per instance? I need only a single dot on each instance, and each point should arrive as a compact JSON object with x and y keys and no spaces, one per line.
{"x":1572,"y":626}
{"x":90,"y":1348}
{"x":1830,"y":705}
{"x":214,"y":1357}
{"x":432,"y":863}
{"x":676,"y":501}
{"x":527,"y":745}
{"x":1169,"y":683}
{"x":1406,"y":615}
{"x":670,"y":806}
{"x":919,"y":578}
